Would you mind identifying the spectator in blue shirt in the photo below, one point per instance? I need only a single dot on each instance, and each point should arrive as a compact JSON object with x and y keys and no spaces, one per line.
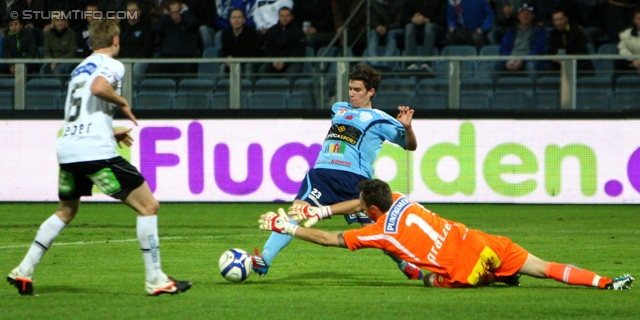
{"x":468,"y":22}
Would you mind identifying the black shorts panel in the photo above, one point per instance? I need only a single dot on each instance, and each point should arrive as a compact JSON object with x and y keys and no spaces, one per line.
{"x":115,"y":177}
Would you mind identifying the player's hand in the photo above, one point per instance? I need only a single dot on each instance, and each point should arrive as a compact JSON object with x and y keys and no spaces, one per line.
{"x":405,"y":115}
{"x":122,"y":135}
{"x":299,"y":212}
{"x":278,"y":222}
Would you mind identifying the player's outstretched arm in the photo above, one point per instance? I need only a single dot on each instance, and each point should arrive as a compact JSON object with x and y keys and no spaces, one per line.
{"x":279,"y":222}
{"x":299,"y":212}
{"x":405,"y":116}
{"x":102,"y":89}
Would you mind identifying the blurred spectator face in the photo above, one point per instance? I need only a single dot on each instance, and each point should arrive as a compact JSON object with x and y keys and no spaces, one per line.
{"x":285,"y":16}
{"x":60,"y":24}
{"x":525,"y":17}
{"x":560,"y":21}
{"x":89,"y":13}
{"x":174,"y":11}
{"x":636,"y":20}
{"x":237,"y":19}
{"x":133,"y":12}
{"x":15,"y":26}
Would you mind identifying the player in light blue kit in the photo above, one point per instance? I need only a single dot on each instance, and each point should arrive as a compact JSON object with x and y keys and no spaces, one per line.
{"x":349,"y":149}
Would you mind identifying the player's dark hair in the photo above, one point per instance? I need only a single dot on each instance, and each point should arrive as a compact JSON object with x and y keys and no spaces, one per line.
{"x":376,"y":192}
{"x":368,"y":75}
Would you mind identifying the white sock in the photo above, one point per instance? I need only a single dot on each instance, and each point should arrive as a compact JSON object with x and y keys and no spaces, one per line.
{"x":147,"y":230}
{"x":49,"y":230}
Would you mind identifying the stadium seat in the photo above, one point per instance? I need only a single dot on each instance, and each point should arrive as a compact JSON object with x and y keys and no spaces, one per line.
{"x":391,"y":100}
{"x":605,"y":67}
{"x":303,"y":85}
{"x":483,"y":85}
{"x":381,"y":53}
{"x":475,"y":100}
{"x":511,"y":100}
{"x":438,"y":85}
{"x":628,"y":83}
{"x":6,"y":93}
{"x":594,"y":83}
{"x":272,"y":84}
{"x":43,"y":94}
{"x":246,"y":86}
{"x":626,"y":99}
{"x":490,"y":50}
{"x":512,"y":85}
{"x":158,"y":85}
{"x":430,"y":100}
{"x":268,"y":100}
{"x":220,"y":100}
{"x":467,"y":68}
{"x":548,"y":84}
{"x":302,"y":100}
{"x":398,"y":85}
{"x":154,"y":100}
{"x":194,"y":94}
{"x":593,"y":99}
{"x":547,"y":100}
{"x":210,"y":70}
{"x":196,"y":85}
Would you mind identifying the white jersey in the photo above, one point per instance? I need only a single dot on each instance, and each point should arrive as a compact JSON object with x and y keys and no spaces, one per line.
{"x":88,"y":133}
{"x":266,"y":13}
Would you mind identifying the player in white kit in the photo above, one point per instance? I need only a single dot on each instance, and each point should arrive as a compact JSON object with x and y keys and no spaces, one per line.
{"x":87,"y":156}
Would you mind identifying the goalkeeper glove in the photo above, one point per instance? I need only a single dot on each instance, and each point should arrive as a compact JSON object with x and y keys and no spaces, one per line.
{"x":299,"y":212}
{"x":278,"y":222}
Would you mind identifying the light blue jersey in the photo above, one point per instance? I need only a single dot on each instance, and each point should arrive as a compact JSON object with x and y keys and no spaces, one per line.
{"x":356,"y":137}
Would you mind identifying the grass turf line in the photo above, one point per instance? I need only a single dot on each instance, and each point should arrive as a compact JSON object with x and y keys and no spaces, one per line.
{"x":94,"y":269}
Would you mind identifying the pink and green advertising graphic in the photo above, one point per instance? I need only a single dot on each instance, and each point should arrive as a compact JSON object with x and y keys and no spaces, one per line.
{"x":493,"y":161}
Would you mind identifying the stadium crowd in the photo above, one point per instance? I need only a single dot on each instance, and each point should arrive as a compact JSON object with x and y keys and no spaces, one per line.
{"x":299,"y":28}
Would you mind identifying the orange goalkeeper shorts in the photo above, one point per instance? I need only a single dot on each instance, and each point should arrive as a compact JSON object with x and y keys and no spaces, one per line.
{"x":481,"y":253}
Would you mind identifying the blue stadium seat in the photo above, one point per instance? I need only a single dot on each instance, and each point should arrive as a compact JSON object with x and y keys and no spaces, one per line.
{"x":490,"y":50}
{"x":43,"y":94}
{"x":303,"y":85}
{"x":220,"y":100}
{"x":467,"y":68}
{"x":211,"y":71}
{"x":605,"y":67}
{"x":594,"y":83}
{"x":475,"y":100}
{"x":483,"y":85}
{"x":268,"y":100}
{"x":196,"y":85}
{"x":430,"y":100}
{"x":6,"y":93}
{"x":391,"y":100}
{"x":398,"y":85}
{"x":302,"y":100}
{"x":272,"y":84}
{"x":548,"y":84}
{"x":628,"y":83}
{"x":511,"y":100}
{"x":154,"y":100}
{"x":158,"y":85}
{"x":194,"y":94}
{"x":593,"y":99}
{"x":512,"y":85}
{"x":547,"y":100}
{"x":438,"y":85}
{"x":626,"y":99}
{"x":246,"y":86}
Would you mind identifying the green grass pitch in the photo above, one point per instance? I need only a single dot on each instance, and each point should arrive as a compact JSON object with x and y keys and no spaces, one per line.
{"x":94,"y":269}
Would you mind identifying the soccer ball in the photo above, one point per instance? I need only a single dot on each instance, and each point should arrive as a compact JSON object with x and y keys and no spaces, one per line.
{"x":235,"y":265}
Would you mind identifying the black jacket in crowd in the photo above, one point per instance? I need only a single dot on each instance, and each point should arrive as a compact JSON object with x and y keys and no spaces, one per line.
{"x":246,"y":44}
{"x":576,"y":43}
{"x":178,"y":40}
{"x":285,"y":41}
{"x":435,"y":10}
{"x":136,"y":41}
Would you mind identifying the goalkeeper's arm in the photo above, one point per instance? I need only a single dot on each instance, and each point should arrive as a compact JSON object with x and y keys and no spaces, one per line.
{"x":320,"y":237}
{"x":279,"y":222}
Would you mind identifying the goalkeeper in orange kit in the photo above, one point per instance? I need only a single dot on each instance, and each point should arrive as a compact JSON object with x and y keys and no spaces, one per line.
{"x":457,"y":256}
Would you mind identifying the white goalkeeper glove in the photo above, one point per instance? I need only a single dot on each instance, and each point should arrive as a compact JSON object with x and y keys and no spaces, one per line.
{"x":278,"y":222}
{"x":299,"y":212}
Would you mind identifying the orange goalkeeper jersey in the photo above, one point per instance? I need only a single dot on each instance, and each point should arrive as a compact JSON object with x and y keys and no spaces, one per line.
{"x":412,"y":233}
{"x":460,"y":256}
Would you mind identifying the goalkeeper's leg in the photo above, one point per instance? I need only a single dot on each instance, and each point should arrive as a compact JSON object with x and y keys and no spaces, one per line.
{"x":272,"y":247}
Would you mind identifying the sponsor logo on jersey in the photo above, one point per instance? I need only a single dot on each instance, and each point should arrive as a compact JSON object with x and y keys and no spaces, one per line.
{"x":341,"y":112}
{"x":343,"y":132}
{"x":340,"y":162}
{"x":365,"y":117}
{"x":335,"y":149}
{"x":349,"y":117}
{"x":88,"y":68}
{"x":394,"y":215}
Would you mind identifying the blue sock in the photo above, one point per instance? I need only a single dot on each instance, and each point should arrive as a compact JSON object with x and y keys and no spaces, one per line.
{"x":275,"y":243}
